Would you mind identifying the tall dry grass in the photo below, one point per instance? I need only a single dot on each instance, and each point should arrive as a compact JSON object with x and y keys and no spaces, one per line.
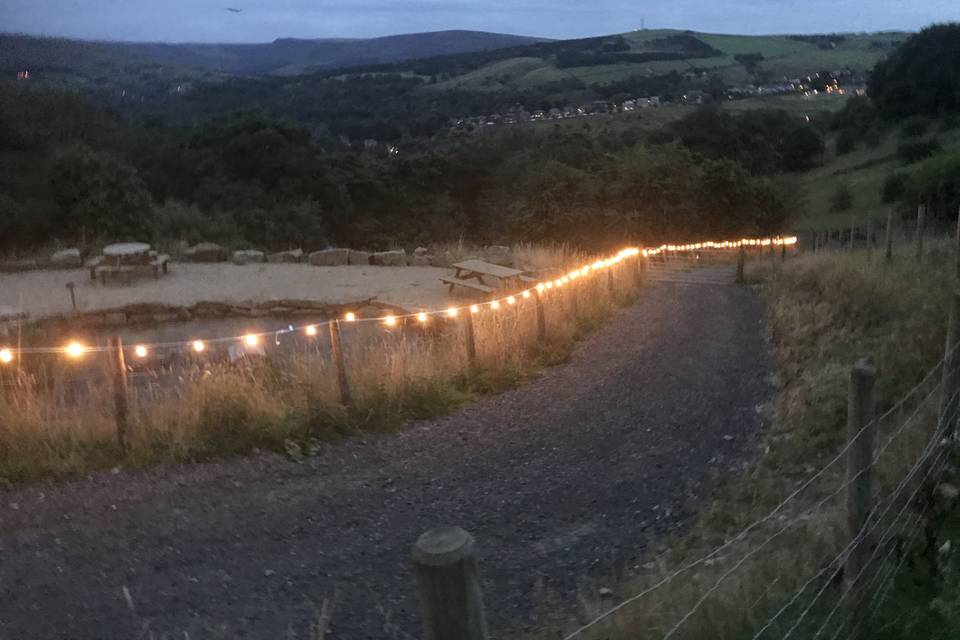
{"x":825,"y":312}
{"x":289,"y":401}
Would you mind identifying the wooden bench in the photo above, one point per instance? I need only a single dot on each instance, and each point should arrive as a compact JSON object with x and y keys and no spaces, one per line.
{"x":468,"y":284}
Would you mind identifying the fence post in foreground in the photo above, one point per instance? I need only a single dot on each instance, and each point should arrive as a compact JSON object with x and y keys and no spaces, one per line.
{"x":741,"y":260}
{"x":118,"y":365}
{"x":448,"y":585}
{"x":470,"y":340}
{"x":336,"y":352}
{"x":951,"y":369}
{"x":889,"y":240}
{"x":860,"y":432}
{"x":541,"y":318}
{"x":918,"y":236}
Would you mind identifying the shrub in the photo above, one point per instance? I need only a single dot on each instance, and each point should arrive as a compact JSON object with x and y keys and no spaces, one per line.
{"x":913,"y":151}
{"x":842,"y":199}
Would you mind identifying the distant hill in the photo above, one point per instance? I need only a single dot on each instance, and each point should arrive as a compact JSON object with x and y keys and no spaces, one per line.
{"x":285,"y":56}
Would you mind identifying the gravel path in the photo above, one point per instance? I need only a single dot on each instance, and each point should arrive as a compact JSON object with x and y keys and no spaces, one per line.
{"x":565,"y":478}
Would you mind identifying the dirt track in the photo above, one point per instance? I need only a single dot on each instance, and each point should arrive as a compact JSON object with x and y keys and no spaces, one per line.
{"x":565,"y":478}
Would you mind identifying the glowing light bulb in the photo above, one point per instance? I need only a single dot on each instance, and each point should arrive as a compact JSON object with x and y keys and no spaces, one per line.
{"x":474,"y":308}
{"x":75,"y":349}
{"x":422,"y":317}
{"x":390,"y":321}
{"x":540,"y":287}
{"x":6,"y":356}
{"x":549,"y":285}
{"x":558,"y":283}
{"x":511,"y":300}
{"x":350,"y":317}
{"x":452,"y":312}
{"x":140,"y":351}
{"x":495,"y":304}
{"x":198,"y":346}
{"x":251,"y":340}
{"x":526,"y":294}
{"x":310,"y":330}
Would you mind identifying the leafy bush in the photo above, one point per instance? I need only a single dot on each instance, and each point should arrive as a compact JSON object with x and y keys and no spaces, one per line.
{"x":913,"y":151}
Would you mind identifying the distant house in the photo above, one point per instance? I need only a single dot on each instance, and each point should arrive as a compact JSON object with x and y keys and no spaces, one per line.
{"x":629,"y":105}
{"x":538,"y":115}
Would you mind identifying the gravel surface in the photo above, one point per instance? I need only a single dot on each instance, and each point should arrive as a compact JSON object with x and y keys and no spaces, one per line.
{"x":566,"y":478}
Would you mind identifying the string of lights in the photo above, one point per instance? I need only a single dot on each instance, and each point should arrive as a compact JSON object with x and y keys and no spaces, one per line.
{"x":76,"y":349}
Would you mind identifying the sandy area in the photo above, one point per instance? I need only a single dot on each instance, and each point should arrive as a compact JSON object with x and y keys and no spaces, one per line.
{"x":42,"y":293}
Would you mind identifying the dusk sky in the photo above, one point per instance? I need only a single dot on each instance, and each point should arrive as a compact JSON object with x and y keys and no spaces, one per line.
{"x":265,"y":20}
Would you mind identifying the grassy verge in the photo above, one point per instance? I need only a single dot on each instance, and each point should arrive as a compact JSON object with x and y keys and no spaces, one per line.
{"x":825,"y":312}
{"x":289,"y":401}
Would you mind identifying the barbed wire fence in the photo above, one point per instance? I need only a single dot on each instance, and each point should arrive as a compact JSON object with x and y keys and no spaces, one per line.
{"x":861,"y":515}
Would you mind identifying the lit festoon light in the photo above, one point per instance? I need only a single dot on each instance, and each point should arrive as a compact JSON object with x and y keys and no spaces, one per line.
{"x":198,"y":346}
{"x":75,"y":349}
{"x":251,"y":340}
{"x":452,"y":312}
{"x":140,"y":351}
{"x":526,"y":294}
{"x":311,"y":330}
{"x":422,"y":317}
{"x":350,"y":317}
{"x":474,"y":308}
{"x":541,"y":287}
{"x":6,"y":356}
{"x":390,"y":321}
{"x":495,"y":304}
{"x":511,"y":300}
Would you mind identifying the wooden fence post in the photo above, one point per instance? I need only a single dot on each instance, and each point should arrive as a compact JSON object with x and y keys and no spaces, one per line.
{"x":118,"y":365}
{"x":448,"y":585}
{"x":853,"y":231}
{"x":950,"y":377}
{"x":741,"y":260}
{"x":637,"y":270}
{"x":869,"y":238}
{"x":860,"y":432}
{"x":470,"y":340}
{"x":783,"y":252}
{"x":336,"y":352}
{"x":918,"y":236}
{"x":541,"y":318}
{"x":888,"y":255}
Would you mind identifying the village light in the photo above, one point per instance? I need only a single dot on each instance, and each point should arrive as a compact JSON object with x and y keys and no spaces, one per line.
{"x":6,"y":356}
{"x":75,"y":349}
{"x":198,"y":346}
{"x":140,"y":351}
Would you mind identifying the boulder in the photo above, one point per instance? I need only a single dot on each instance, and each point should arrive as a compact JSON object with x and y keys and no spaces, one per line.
{"x":421,"y":261}
{"x":66,"y":259}
{"x":206,"y":252}
{"x":330,"y":257}
{"x":420,"y":251}
{"x":246,"y":256}
{"x":358,"y":257}
{"x":396,"y":258}
{"x":291,"y":255}
{"x":498,"y":254}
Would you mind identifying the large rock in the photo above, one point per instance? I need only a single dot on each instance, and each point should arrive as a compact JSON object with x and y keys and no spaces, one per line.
{"x":206,"y":252}
{"x":498,"y":254}
{"x":396,"y":258}
{"x":420,"y":261}
{"x":358,"y":257}
{"x":66,"y":259}
{"x":421,"y":251}
{"x":330,"y":257}
{"x":292,"y":255}
{"x":246,"y":256}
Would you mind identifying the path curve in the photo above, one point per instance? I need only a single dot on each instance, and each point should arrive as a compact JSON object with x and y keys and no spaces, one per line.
{"x":567,"y":477}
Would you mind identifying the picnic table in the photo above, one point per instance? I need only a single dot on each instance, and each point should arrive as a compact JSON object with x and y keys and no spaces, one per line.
{"x":471,"y":274}
{"x":126,"y":258}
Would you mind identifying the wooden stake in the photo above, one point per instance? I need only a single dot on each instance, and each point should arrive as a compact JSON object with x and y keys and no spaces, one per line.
{"x":918,"y":236}
{"x":448,"y":585}
{"x":336,"y":353}
{"x":888,"y":250}
{"x":950,"y":385}
{"x":470,"y":340}
{"x":118,"y":365}
{"x":860,"y":432}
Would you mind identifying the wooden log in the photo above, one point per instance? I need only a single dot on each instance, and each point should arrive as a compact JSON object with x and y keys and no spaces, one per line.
{"x":336,"y":354}
{"x":448,"y":585}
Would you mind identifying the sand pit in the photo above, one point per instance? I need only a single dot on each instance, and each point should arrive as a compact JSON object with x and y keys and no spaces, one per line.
{"x":43,"y":293}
